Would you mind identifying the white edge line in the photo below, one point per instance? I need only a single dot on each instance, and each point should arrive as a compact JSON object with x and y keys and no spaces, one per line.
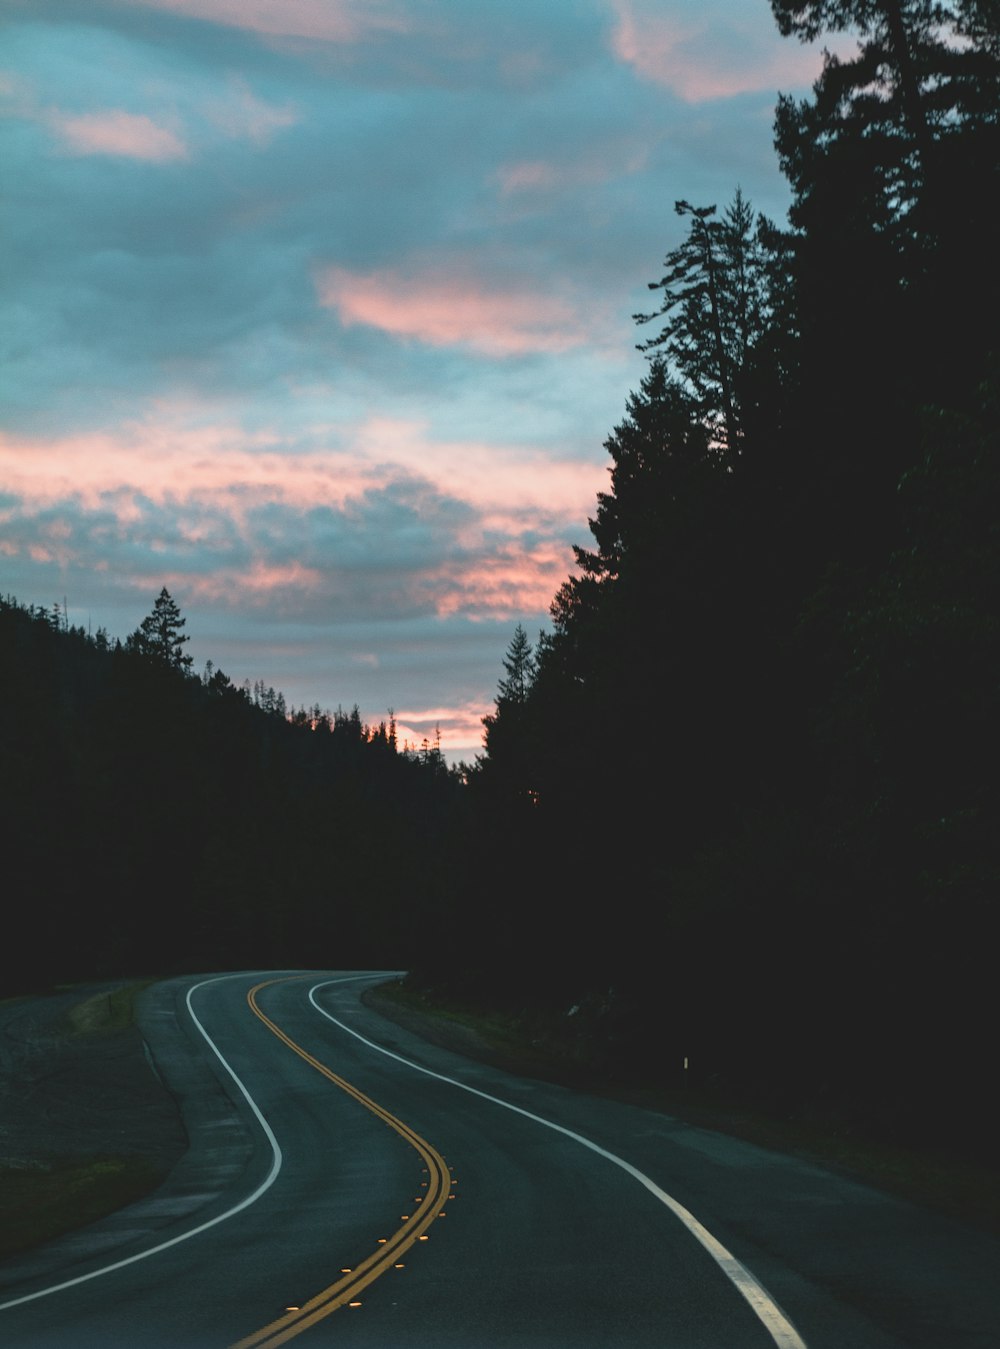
{"x":777,"y":1324}
{"x":202,"y":1227}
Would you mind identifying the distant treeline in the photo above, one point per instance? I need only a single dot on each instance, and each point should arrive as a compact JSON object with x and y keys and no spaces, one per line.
{"x":154,"y":820}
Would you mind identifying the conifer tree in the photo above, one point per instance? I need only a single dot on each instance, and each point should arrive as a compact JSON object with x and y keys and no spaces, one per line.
{"x":520,"y":666}
{"x":714,"y":303}
{"x":507,"y":735}
{"x":160,"y":634}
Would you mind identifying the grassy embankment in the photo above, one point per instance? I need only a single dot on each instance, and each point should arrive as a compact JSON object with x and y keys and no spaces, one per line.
{"x":43,"y":1197}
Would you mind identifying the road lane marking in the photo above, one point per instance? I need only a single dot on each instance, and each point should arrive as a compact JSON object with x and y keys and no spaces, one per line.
{"x":774,"y":1320}
{"x":212,"y":1222}
{"x":389,"y":1249}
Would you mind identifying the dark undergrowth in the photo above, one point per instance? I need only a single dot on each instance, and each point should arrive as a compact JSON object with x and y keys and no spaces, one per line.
{"x":47,"y":1199}
{"x":573,"y":1051}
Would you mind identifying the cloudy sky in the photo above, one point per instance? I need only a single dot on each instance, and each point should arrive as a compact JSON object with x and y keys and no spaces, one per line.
{"x":318,"y":311}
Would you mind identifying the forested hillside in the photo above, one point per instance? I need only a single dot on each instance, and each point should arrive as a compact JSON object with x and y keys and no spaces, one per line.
{"x":156,"y":820}
{"x":748,"y":782}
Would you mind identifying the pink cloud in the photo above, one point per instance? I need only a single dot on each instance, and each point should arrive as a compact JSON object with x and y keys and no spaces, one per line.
{"x":501,"y":481}
{"x":501,"y":558}
{"x":510,"y":583}
{"x":721,"y":51}
{"x":114,"y":132}
{"x":165,"y":461}
{"x":443,"y":307}
{"x":319,"y":20}
{"x":243,"y":115}
{"x":531,"y":173}
{"x":604,"y":165}
{"x":257,"y":584}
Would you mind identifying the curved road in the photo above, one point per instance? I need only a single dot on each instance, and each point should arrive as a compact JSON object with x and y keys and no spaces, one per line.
{"x":349,"y":1183}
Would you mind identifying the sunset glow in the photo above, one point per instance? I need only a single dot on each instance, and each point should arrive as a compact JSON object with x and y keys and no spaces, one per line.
{"x":442,"y":310}
{"x":319,"y":313}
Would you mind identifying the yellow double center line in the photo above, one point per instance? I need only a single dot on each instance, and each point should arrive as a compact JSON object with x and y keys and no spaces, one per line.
{"x":389,"y":1249}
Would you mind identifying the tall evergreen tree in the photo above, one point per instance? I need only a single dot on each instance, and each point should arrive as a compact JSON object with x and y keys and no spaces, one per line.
{"x":507,"y":736}
{"x":894,"y":165}
{"x":924,"y":70}
{"x":656,"y":450}
{"x":519,"y":664}
{"x":714,"y":301}
{"x":160,"y":635}
{"x":895,"y":169}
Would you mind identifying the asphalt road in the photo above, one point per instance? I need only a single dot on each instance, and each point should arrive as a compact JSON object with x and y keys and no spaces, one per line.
{"x":319,"y":1163}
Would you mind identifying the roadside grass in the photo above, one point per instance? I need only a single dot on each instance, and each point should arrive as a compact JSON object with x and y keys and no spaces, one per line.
{"x":42,"y":1198}
{"x":106,"y":1011}
{"x":47,"y":1199}
{"x":535,"y":1044}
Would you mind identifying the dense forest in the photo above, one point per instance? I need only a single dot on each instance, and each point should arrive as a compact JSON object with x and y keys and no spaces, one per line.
{"x":157,"y":820}
{"x":739,"y":803}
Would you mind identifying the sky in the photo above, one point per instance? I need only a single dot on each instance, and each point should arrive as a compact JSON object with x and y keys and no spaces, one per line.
{"x":318,"y":312}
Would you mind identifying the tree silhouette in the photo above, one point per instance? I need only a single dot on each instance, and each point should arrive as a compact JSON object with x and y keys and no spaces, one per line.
{"x":507,"y":735}
{"x":159,"y":635}
{"x":520,"y":666}
{"x":714,"y":301}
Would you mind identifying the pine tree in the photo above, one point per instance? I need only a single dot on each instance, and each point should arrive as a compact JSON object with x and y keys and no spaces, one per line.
{"x":714,"y":301}
{"x":159,"y":635}
{"x":924,"y":70}
{"x":656,"y":451}
{"x":901,"y":138}
{"x":507,"y":735}
{"x":520,"y":666}
{"x":894,"y":164}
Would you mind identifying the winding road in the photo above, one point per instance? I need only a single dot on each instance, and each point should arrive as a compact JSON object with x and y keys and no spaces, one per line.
{"x":348,"y":1183}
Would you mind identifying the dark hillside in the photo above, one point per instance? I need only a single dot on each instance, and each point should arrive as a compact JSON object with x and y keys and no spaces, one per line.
{"x":158,"y":821}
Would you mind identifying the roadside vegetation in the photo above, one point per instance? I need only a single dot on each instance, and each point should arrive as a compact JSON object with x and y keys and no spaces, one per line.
{"x":553,"y":1048}
{"x":75,"y":1070}
{"x":42,"y":1200}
